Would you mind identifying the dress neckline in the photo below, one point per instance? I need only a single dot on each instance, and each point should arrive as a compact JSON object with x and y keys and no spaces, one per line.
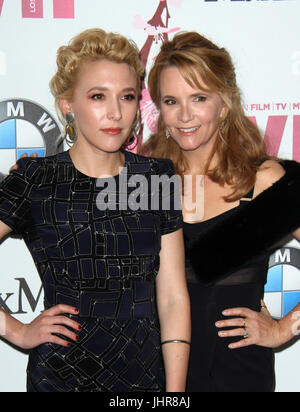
{"x":81,"y":174}
{"x":212,"y":218}
{"x":249,"y":196}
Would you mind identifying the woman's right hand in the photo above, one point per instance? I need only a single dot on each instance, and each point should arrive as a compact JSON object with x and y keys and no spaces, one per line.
{"x":15,"y":166}
{"x":41,"y":330}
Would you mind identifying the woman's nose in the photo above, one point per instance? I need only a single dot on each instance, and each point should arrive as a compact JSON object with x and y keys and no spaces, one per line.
{"x":185,"y":114}
{"x":114,"y":111}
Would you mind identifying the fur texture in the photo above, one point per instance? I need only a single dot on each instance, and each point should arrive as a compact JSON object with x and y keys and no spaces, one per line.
{"x":254,"y":229}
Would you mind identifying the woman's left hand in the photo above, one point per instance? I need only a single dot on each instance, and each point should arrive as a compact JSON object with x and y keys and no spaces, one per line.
{"x":256,"y":328}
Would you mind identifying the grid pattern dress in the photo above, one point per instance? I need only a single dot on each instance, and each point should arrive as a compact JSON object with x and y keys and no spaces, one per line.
{"x":102,"y":261}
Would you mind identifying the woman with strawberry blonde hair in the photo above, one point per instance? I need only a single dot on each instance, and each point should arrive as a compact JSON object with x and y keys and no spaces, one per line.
{"x":232,"y":227}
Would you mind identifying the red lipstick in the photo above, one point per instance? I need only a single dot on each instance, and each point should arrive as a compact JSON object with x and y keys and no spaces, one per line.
{"x":114,"y":131}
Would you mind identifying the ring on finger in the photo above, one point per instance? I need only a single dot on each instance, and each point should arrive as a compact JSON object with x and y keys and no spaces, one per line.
{"x":246,"y":335}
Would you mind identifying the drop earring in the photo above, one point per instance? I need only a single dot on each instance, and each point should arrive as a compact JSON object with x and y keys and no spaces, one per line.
{"x":134,"y":139}
{"x":168,"y":134}
{"x":70,"y":128}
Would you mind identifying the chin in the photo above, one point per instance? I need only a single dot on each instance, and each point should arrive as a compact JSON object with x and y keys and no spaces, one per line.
{"x":188,"y":147}
{"x":111,"y":148}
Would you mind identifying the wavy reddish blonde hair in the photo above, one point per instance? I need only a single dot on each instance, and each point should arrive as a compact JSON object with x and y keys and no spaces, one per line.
{"x":239,"y":146}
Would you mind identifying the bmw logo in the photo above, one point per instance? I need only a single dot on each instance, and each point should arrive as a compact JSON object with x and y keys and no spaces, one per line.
{"x":25,"y":126}
{"x":282,"y":291}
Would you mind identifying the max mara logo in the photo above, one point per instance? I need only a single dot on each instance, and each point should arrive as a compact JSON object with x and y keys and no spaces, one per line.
{"x":34,"y":9}
{"x":23,"y":290}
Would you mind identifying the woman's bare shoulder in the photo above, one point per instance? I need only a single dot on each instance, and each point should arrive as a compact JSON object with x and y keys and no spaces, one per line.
{"x":268,"y":173}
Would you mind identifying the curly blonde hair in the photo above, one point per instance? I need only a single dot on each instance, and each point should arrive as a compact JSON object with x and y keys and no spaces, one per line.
{"x":91,"y":45}
{"x":239,"y":146}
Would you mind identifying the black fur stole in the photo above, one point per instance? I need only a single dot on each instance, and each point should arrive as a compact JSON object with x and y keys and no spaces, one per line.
{"x":254,"y":229}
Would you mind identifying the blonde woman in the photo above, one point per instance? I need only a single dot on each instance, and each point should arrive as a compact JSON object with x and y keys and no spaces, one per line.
{"x":113,"y":275}
{"x":233,"y":195}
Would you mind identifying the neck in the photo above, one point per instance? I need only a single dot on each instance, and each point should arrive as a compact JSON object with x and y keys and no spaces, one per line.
{"x":94,"y":162}
{"x":197,"y":161}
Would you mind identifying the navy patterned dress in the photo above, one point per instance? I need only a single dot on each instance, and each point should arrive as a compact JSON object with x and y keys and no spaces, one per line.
{"x":102,"y":261}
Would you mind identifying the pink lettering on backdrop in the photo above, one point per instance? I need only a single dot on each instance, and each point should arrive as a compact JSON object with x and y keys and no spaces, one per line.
{"x":32,"y":9}
{"x":274,"y":134}
{"x":1,"y":5}
{"x":63,"y":9}
{"x":296,"y":137}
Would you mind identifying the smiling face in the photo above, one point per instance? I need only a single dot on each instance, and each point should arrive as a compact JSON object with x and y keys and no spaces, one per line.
{"x":192,"y":115}
{"x":104,"y":104}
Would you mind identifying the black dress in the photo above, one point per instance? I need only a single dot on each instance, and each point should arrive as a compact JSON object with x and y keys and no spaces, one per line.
{"x":104,"y":262}
{"x":213,"y":367}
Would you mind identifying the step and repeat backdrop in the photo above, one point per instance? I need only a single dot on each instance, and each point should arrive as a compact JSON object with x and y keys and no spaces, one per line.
{"x":263,"y":37}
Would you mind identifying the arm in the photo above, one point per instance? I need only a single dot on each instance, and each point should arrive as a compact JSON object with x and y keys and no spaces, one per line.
{"x":269,"y":173}
{"x":289,"y":326}
{"x":42,"y":328}
{"x":261,"y":328}
{"x":9,"y":326}
{"x":174,"y":310}
{"x":297,"y":234}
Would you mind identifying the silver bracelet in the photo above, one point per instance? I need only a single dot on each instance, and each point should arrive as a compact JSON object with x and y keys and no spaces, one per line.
{"x":176,"y":341}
